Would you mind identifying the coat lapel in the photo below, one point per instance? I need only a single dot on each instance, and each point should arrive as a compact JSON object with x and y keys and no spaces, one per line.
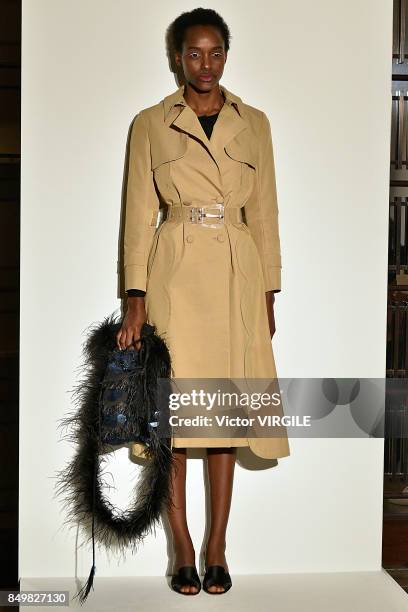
{"x":231,"y":121}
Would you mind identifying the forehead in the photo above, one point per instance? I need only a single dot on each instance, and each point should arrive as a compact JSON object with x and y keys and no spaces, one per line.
{"x":203,"y":36}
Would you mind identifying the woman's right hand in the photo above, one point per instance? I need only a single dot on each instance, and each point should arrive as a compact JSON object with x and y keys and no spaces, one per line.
{"x":129,"y":334}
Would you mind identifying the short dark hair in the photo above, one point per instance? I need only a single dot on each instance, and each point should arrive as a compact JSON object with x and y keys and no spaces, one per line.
{"x":198,"y":16}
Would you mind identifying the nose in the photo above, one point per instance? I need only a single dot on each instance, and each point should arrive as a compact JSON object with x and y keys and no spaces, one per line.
{"x":206,"y":61}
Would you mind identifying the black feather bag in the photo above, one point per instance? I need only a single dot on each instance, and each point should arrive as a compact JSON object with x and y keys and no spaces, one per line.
{"x":122,"y":398}
{"x":126,"y":416}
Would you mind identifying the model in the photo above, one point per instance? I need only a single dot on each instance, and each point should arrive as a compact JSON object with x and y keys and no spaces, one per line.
{"x":207,"y":274}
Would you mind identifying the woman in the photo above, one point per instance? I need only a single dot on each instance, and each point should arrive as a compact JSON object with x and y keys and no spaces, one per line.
{"x":206,"y":277}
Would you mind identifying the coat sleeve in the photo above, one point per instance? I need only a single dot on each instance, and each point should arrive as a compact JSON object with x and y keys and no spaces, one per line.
{"x":261,"y":211}
{"x":142,"y":204}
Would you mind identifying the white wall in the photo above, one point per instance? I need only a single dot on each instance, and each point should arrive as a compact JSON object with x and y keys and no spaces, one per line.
{"x":321,"y":71}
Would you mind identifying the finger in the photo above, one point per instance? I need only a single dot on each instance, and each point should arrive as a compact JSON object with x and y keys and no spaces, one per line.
{"x":122,"y":342}
{"x":133,"y":345}
{"x":118,"y":339}
{"x":137,"y":343}
{"x":127,"y":341}
{"x":131,"y":338}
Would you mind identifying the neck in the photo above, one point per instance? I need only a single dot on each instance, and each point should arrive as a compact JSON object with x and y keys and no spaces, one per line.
{"x":204,"y":102}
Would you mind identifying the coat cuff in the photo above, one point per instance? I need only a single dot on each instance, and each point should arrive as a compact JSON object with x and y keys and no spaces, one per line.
{"x":272,"y":278}
{"x":135,"y":276}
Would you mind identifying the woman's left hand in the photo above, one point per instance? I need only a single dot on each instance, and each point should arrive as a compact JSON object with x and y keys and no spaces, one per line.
{"x":270,"y":300}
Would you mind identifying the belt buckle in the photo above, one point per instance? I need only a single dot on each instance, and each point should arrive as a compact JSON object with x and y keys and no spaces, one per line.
{"x":198,"y":213}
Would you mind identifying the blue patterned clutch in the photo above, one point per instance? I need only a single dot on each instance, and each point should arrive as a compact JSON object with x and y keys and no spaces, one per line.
{"x":129,"y":412}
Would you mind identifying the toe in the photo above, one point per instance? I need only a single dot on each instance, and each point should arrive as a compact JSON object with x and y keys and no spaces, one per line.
{"x":216,"y":588}
{"x":189,"y":589}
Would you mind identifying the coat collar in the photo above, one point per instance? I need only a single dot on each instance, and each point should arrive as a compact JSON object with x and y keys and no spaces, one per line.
{"x":231,"y":121}
{"x":177,"y":98}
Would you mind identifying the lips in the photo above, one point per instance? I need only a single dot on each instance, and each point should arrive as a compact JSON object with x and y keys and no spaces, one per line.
{"x":205,"y":77}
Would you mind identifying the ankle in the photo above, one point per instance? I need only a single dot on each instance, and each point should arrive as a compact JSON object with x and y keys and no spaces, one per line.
{"x":215,"y":553}
{"x":217,"y":543}
{"x":184,"y":553}
{"x":183,"y":543}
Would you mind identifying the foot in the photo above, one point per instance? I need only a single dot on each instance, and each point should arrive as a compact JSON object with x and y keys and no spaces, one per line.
{"x":186,"y":580}
{"x":185,"y":556}
{"x":215,"y":555}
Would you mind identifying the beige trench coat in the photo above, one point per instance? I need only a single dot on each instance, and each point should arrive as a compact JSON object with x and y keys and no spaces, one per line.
{"x":205,"y":286}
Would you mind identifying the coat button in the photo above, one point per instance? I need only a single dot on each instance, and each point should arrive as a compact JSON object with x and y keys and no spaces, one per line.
{"x":189,"y":238}
{"x":221,"y":237}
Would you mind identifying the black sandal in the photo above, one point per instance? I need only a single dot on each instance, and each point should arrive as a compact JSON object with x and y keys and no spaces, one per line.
{"x":216,"y":575}
{"x":187,"y":575}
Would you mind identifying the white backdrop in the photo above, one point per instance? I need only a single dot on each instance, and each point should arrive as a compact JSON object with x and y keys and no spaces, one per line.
{"x":322,"y":72}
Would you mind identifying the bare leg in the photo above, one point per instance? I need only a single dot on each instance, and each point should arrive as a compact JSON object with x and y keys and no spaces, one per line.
{"x":183,"y":545}
{"x":221,"y":465}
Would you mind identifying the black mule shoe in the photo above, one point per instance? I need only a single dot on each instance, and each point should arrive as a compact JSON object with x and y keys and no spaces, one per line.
{"x":216,"y":575}
{"x":187,"y":575}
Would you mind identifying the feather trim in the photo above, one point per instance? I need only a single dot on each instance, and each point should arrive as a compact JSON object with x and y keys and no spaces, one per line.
{"x":81,"y":483}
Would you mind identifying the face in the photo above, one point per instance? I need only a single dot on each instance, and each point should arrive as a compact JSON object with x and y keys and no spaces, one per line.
{"x":203,"y":56}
